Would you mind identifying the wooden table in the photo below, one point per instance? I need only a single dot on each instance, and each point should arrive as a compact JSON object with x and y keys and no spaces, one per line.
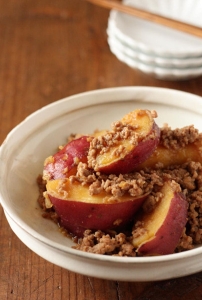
{"x":50,"y":50}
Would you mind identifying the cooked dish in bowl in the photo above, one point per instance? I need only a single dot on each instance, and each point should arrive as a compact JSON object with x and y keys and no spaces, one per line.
{"x":133,"y":190}
{"x":22,"y":157}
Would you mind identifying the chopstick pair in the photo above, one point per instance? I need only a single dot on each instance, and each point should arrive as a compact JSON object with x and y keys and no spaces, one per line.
{"x":142,"y":14}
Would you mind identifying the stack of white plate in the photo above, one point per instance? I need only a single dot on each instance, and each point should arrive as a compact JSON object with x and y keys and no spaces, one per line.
{"x":154,"y":49}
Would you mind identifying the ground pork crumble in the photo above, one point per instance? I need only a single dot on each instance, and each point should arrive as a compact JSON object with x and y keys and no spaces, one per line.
{"x":178,"y":137}
{"x":188,"y":176}
{"x":121,"y":130}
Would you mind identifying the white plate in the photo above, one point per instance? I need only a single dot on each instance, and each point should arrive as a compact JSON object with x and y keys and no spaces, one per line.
{"x":193,"y":62}
{"x":21,"y":160}
{"x":158,"y":72}
{"x":159,"y":40}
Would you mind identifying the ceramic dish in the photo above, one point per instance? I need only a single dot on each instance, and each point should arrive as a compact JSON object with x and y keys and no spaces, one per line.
{"x":159,"y":40}
{"x":151,"y":69}
{"x":157,"y":61}
{"x":21,"y":160}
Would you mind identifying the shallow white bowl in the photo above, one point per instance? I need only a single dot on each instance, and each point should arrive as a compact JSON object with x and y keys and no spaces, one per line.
{"x":154,"y":69}
{"x":21,"y":160}
{"x":155,"y":39}
{"x":152,"y":60}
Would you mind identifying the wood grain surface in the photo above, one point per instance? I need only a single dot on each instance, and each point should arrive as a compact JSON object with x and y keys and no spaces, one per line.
{"x":50,"y":50}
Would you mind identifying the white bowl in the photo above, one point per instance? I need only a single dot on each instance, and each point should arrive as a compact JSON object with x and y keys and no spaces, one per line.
{"x":155,"y":39}
{"x":153,"y":60}
{"x":21,"y":160}
{"x":153,"y":69}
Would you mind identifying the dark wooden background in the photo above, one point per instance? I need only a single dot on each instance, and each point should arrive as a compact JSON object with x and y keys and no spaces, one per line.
{"x":50,"y":50}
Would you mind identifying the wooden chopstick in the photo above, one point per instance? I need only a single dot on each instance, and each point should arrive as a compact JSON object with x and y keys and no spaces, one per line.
{"x":181,"y":26}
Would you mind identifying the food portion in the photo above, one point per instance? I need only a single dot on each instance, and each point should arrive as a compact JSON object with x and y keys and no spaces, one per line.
{"x":79,"y":210}
{"x":158,"y":231}
{"x":130,"y":142}
{"x":133,"y":190}
{"x":176,"y":147}
{"x":64,"y":162}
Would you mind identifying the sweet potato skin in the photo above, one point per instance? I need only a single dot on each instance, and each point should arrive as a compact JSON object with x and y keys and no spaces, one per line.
{"x":78,"y":210}
{"x":64,"y":163}
{"x":163,"y":227}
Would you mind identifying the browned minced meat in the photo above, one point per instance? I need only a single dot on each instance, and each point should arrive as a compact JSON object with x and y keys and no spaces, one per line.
{"x":188,"y":176}
{"x":135,"y":184}
{"x":106,"y":243}
{"x":178,"y":137}
{"x":47,"y":213}
{"x":112,"y":138}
